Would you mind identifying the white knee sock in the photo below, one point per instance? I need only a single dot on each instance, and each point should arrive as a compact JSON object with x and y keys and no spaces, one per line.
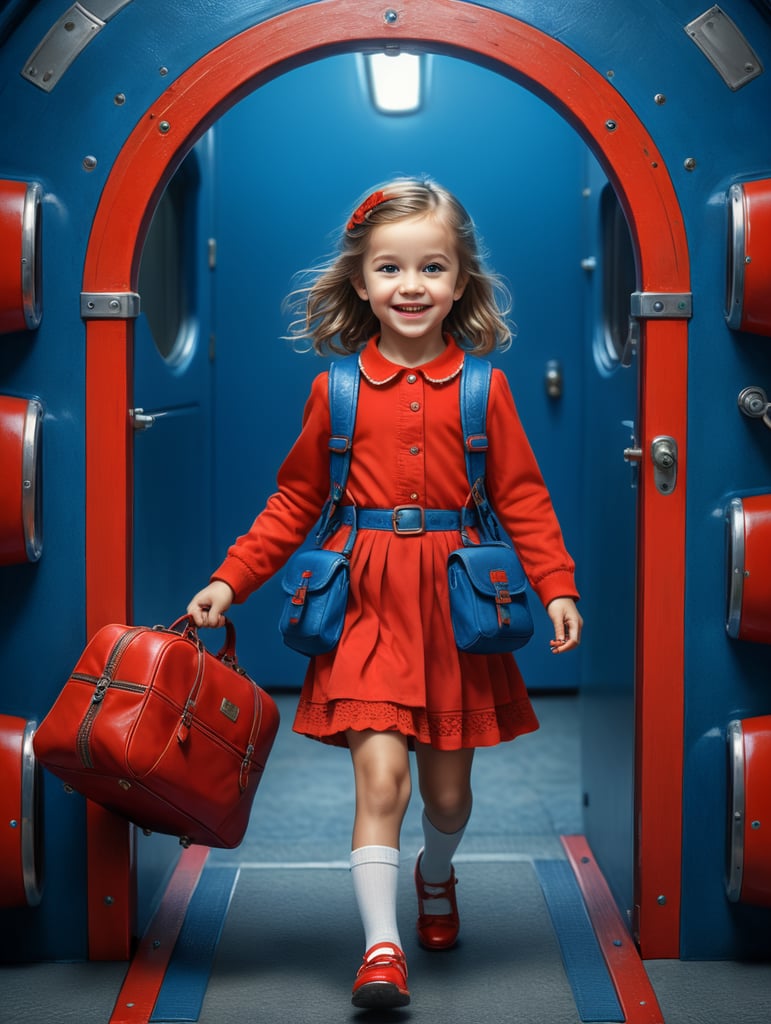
{"x":375,"y":874}
{"x":436,"y":861}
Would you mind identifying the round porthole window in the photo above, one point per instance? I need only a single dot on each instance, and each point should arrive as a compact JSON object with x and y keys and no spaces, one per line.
{"x":167,"y":268}
{"x":614,"y":342}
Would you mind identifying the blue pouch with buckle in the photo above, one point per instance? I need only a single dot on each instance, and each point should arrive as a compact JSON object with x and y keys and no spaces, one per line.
{"x":315,"y":583}
{"x":488,"y":599}
{"x":316,"y":580}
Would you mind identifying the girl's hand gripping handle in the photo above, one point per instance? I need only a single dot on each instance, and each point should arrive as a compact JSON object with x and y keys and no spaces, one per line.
{"x":209,"y":605}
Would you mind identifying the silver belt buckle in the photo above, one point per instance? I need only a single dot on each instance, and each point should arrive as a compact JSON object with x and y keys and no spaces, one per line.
{"x":408,"y":530}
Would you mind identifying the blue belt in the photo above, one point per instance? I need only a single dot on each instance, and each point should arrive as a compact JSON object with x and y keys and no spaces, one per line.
{"x":405,"y":519}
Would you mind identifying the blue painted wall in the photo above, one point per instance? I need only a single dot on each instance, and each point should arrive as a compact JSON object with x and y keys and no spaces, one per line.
{"x":644,"y":52}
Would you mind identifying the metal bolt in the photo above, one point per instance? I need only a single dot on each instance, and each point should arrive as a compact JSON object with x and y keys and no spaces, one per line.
{"x":661,"y":900}
{"x":163,"y":72}
{"x":109,"y":900}
{"x":660,"y":98}
{"x":119,"y":99}
{"x":391,"y":16}
{"x":756,"y":824}
{"x":89,"y":163}
{"x":13,"y":823}
{"x":610,"y":125}
{"x":164,"y":127}
{"x":689,"y":163}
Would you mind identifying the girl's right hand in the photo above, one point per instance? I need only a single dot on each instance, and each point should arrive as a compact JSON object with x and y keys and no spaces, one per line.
{"x":209,"y":605}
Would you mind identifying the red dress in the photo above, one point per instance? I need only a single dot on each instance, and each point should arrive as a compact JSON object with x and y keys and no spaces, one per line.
{"x":396,"y":666}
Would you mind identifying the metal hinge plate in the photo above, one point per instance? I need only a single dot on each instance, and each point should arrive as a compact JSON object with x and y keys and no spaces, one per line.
{"x":67,"y":38}
{"x":109,"y":305}
{"x":725,"y":47}
{"x":661,"y":305}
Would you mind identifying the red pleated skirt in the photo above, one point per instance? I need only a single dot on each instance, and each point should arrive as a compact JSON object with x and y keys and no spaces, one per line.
{"x":397,"y":668}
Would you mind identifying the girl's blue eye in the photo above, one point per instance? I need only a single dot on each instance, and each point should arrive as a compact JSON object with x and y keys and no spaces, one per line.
{"x":434,"y":268}
{"x":389,"y":268}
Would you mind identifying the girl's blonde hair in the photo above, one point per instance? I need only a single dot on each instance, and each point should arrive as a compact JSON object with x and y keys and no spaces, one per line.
{"x":334,"y":318}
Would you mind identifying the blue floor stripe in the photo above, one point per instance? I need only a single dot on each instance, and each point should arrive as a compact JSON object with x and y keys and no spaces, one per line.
{"x":184,"y":986}
{"x":593,"y":989}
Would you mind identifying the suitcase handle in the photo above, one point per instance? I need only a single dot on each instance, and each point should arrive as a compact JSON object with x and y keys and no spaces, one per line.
{"x":226,"y":653}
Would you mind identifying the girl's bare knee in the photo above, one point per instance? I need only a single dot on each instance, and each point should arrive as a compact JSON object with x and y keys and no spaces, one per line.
{"x":382,"y":792}
{"x":448,"y":809}
{"x":382,"y":774}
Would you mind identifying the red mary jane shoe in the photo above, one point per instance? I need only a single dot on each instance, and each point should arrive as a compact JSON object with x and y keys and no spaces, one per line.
{"x":436,"y":931}
{"x":381,"y":981}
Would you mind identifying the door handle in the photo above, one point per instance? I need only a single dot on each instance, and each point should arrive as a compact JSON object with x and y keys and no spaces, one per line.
{"x":664,"y":457}
{"x":141,"y":420}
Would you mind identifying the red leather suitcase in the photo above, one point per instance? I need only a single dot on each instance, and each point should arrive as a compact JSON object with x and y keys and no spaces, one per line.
{"x":157,"y":729}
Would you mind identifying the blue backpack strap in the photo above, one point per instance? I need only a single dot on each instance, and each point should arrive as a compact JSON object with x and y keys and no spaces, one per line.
{"x":344,"y":376}
{"x":474,"y":392}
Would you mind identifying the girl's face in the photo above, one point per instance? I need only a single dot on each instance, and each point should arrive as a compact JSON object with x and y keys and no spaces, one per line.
{"x":411,"y":276}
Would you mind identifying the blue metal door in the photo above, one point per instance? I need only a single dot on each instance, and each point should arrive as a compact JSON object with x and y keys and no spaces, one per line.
{"x":611,"y":464}
{"x":172,"y":399}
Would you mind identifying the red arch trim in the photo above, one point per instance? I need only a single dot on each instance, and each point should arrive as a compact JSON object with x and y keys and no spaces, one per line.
{"x":588,"y":100}
{"x":548,"y":67}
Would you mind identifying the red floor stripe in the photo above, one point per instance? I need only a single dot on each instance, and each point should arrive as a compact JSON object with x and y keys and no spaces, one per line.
{"x":633,"y":987}
{"x":144,"y":978}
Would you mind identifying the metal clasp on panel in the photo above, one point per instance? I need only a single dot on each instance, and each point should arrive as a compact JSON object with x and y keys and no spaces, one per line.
{"x":661,"y":305}
{"x":109,"y":305}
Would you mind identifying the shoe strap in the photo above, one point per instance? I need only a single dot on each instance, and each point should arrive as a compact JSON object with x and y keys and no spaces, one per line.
{"x":441,"y":890}
{"x":385,"y":954}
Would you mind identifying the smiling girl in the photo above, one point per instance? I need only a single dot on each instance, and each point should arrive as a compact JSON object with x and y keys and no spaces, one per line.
{"x":409,"y":293}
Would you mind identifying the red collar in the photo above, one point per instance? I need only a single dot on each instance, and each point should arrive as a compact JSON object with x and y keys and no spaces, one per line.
{"x":379,"y":370}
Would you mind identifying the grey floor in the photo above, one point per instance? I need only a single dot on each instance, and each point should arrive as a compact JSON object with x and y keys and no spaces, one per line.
{"x":291,"y":941}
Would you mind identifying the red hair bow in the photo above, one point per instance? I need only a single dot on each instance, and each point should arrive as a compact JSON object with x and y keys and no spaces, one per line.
{"x":360,"y":214}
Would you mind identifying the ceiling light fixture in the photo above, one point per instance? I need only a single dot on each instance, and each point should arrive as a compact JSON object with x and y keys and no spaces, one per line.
{"x":395,"y":81}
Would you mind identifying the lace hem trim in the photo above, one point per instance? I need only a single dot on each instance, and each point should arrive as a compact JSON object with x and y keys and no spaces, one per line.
{"x":449,"y":729}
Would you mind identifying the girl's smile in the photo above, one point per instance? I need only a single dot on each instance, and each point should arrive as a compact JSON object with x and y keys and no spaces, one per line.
{"x":411,"y":277}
